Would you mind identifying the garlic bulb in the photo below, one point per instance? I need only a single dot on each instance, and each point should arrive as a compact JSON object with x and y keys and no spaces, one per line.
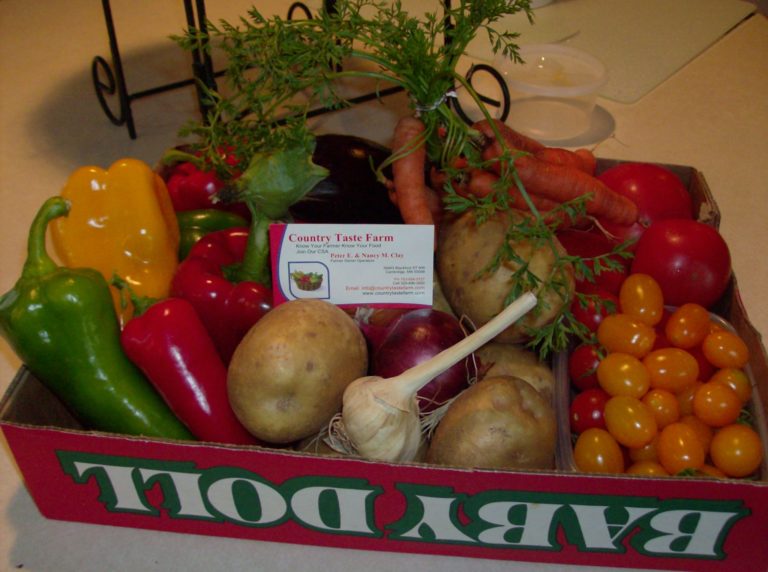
{"x":381,"y":416}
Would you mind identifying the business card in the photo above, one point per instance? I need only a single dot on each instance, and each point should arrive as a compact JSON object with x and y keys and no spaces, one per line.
{"x":353,"y":264}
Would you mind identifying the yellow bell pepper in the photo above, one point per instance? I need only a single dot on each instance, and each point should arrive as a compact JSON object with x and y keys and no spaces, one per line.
{"x":121,"y":221}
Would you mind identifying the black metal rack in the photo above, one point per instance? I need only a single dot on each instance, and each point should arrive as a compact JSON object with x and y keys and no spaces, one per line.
{"x":109,"y":80}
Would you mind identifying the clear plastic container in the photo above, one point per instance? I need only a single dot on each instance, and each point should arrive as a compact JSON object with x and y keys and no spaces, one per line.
{"x":553,"y":93}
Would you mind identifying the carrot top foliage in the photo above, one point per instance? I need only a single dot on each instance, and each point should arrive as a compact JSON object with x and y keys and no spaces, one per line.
{"x":278,"y":70}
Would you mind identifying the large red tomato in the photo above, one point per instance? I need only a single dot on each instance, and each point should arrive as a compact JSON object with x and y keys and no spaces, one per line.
{"x":689,"y":259}
{"x":658,"y":193}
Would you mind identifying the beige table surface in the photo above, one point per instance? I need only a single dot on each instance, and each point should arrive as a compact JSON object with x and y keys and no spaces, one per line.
{"x":712,"y":114}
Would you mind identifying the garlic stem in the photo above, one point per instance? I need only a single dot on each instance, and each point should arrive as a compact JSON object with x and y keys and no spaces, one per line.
{"x":413,"y":379}
{"x":380,"y":417}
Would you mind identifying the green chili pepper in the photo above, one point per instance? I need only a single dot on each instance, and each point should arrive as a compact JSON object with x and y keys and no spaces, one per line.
{"x":62,"y":324}
{"x":195,"y":224}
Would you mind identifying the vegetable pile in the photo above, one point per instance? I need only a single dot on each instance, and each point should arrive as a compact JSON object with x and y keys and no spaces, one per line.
{"x":160,"y":321}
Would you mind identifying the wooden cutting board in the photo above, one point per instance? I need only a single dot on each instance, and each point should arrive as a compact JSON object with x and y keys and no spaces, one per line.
{"x":641,"y":42}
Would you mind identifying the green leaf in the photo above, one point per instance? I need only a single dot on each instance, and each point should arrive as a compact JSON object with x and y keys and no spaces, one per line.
{"x":274,"y":180}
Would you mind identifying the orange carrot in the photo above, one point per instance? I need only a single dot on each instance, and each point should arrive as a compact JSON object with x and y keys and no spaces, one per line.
{"x":563,"y":183}
{"x":581,"y":158}
{"x":412,"y":195}
{"x":514,"y":139}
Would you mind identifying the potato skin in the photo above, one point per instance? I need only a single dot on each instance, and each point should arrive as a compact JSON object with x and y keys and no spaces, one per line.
{"x":498,"y":423}
{"x":509,"y":359}
{"x":466,"y":249}
{"x":287,"y":377}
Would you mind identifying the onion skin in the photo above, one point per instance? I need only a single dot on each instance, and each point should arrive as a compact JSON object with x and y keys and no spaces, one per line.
{"x":415,"y":337}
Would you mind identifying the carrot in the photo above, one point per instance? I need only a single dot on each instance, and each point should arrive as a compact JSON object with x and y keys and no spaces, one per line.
{"x":581,"y":158}
{"x":512,"y":138}
{"x":564,"y":183}
{"x":412,"y":195}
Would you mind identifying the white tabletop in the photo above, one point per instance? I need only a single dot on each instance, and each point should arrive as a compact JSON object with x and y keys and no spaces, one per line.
{"x":711,"y":114}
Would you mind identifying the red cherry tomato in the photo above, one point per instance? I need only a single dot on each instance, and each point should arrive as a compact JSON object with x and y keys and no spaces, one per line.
{"x":658,"y":193}
{"x":587,"y":410}
{"x":582,"y":366}
{"x":594,"y":307}
{"x":689,"y":259}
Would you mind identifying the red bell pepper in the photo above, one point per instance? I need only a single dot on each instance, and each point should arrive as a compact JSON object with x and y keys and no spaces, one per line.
{"x":227,"y":307}
{"x":169,"y":343}
{"x":192,"y":186}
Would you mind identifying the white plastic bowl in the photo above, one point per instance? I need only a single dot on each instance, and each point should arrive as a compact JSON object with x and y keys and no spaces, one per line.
{"x":553,"y":92}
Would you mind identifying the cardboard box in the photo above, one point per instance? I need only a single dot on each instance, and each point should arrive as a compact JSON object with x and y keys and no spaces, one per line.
{"x":275,"y":495}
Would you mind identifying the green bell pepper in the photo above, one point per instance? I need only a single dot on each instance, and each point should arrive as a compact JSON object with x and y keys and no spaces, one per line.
{"x":62,"y":324}
{"x":195,"y":224}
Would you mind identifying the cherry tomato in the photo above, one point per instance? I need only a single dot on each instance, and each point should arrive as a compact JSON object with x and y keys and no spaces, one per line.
{"x":725,"y":349}
{"x":716,"y":404}
{"x":589,"y":245}
{"x":596,"y":451}
{"x":689,"y":259}
{"x":736,"y":379}
{"x":706,"y":369}
{"x":687,"y":326}
{"x":592,"y":306}
{"x":630,"y":421}
{"x":648,"y":469}
{"x":587,"y":410}
{"x":703,"y":431}
{"x":647,"y":452}
{"x":657,"y":192}
{"x":625,"y":334}
{"x":672,"y":369}
{"x":640,"y":297}
{"x":679,"y":448}
{"x":623,"y":374}
{"x":685,"y":398}
{"x":711,"y":471}
{"x":664,"y":406}
{"x":582,"y":366}
{"x":737,"y":450}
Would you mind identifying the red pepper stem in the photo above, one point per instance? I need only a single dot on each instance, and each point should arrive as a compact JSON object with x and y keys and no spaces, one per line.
{"x":38,"y":260}
{"x":255,"y":266}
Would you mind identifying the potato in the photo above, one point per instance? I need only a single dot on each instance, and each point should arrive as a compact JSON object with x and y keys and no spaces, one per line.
{"x":465,"y":250}
{"x":287,"y":377}
{"x":498,"y":423}
{"x":510,"y":359}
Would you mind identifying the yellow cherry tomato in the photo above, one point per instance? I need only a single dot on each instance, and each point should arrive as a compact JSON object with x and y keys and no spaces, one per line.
{"x":623,"y":374}
{"x":687,"y":326}
{"x":640,"y":296}
{"x":630,"y":421}
{"x":626,"y":334}
{"x":737,"y":450}
{"x":596,"y":451}
{"x":725,"y":349}
{"x":673,"y":369}
{"x":679,"y":448}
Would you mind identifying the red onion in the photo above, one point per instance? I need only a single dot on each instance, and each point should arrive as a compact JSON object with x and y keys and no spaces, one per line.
{"x":415,"y":337}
